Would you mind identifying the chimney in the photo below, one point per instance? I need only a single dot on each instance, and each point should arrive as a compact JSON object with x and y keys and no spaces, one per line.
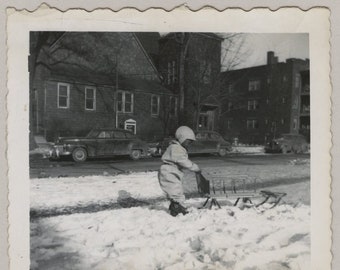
{"x":271,"y":58}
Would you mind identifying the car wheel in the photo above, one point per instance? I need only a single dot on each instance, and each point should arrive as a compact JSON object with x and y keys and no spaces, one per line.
{"x":79,"y":154}
{"x":222,"y":152}
{"x":135,"y":154}
{"x":304,"y":148}
{"x":297,"y":149}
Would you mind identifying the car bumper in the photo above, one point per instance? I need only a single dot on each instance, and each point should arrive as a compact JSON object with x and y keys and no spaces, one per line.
{"x":272,"y":150}
{"x":59,"y":151}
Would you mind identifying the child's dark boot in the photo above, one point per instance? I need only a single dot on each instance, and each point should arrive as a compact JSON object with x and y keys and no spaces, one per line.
{"x":176,"y":208}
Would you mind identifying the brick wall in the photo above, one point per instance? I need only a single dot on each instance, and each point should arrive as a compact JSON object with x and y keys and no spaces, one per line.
{"x":277,"y":97}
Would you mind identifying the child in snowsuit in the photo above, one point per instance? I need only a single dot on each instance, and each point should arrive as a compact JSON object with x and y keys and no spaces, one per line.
{"x":175,"y":160}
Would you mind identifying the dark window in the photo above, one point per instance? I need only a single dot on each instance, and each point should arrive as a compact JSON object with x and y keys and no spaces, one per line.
{"x":173,"y":106}
{"x":253,"y":105}
{"x":105,"y":134}
{"x":201,"y":136}
{"x":90,"y":98}
{"x":129,"y":135}
{"x":119,"y":134}
{"x":120,"y":102}
{"x":203,"y":121}
{"x":215,"y":136}
{"x":124,"y":102}
{"x":230,"y":88}
{"x":63,"y":95}
{"x":154,"y":105}
{"x":229,"y":124}
{"x":254,"y":85}
{"x":252,"y":124}
{"x":128,"y":102}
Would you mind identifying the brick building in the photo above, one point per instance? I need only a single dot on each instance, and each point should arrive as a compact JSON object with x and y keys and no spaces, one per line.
{"x":262,"y":102}
{"x":190,"y":64}
{"x":83,"y":80}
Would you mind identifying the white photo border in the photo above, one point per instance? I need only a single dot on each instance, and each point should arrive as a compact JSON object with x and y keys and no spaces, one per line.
{"x":315,"y":22}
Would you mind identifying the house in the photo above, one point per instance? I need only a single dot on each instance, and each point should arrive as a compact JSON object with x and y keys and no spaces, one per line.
{"x":83,"y":80}
{"x":262,"y":102}
{"x":190,"y":64}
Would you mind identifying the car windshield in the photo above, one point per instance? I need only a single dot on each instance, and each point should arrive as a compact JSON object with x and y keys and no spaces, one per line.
{"x":119,"y":135}
{"x":93,"y":134}
{"x":129,"y":135}
{"x":201,"y":136}
{"x":215,"y":136}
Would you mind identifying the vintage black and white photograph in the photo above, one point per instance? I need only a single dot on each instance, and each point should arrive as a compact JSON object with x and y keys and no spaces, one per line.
{"x":127,"y":127}
{"x":169,"y":150}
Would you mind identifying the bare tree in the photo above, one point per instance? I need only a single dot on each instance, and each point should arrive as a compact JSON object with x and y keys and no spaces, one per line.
{"x":209,"y":84}
{"x":54,"y":51}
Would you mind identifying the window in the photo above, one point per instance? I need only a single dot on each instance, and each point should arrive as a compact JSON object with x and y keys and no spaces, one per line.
{"x":229,"y":124}
{"x":63,"y":95}
{"x":273,"y":128}
{"x":154,"y":105}
{"x":252,"y":124}
{"x":205,"y":71}
{"x":230,"y":106}
{"x":172,"y":73}
{"x":169,"y":73}
{"x":267,"y":100}
{"x":283,"y":100}
{"x":230,"y":88}
{"x":294,"y":123}
{"x":253,"y":105}
{"x":284,"y":78}
{"x":282,"y":121}
{"x":254,"y":85}
{"x":105,"y":135}
{"x":269,"y":80}
{"x":215,"y":136}
{"x":90,"y":98}
{"x":297,"y":80}
{"x":201,"y":136}
{"x":129,"y":135}
{"x":266,"y":121}
{"x":173,"y":106}
{"x":124,"y":102}
{"x":203,"y":121}
{"x":119,"y":134}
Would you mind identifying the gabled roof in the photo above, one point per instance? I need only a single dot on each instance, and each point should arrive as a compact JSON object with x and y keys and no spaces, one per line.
{"x":73,"y":74}
{"x":149,"y":41}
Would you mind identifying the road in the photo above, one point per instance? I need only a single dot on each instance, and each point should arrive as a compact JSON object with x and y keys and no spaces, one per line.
{"x":44,"y":168}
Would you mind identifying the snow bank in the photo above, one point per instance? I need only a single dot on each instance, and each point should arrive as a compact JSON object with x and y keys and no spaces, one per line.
{"x":147,"y":237}
{"x":143,"y":238}
{"x":80,"y":191}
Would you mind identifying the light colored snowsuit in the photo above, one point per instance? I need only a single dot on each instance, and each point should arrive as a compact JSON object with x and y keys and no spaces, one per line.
{"x":170,"y":175}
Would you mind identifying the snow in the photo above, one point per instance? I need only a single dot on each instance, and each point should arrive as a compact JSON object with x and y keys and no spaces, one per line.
{"x":122,"y":222}
{"x":258,"y":150}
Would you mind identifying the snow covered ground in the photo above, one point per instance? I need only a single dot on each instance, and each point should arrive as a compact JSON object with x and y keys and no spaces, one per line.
{"x":258,"y":150}
{"x":121,"y":222}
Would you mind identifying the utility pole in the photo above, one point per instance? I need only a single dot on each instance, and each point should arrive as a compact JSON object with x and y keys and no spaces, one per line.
{"x":116,"y":94}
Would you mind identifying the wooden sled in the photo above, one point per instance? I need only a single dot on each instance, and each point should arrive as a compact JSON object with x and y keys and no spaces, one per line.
{"x":237,"y":188}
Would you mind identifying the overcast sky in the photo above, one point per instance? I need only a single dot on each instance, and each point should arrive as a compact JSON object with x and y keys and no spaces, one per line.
{"x":285,"y":46}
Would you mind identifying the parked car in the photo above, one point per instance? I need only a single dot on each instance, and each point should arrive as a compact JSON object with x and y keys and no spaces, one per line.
{"x":206,"y":142}
{"x":286,"y":143}
{"x":101,"y":143}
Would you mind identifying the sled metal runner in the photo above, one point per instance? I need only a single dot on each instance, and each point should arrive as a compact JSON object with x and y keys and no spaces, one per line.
{"x":238,"y":188}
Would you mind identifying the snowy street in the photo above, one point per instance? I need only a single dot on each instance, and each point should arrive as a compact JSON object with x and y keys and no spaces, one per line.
{"x":40,"y":167}
{"x":120,"y":221}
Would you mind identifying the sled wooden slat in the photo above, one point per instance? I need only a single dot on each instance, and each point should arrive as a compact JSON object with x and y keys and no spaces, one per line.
{"x":233,"y":187}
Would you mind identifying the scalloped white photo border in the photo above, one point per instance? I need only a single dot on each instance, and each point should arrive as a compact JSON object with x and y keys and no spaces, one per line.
{"x":315,"y":22}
